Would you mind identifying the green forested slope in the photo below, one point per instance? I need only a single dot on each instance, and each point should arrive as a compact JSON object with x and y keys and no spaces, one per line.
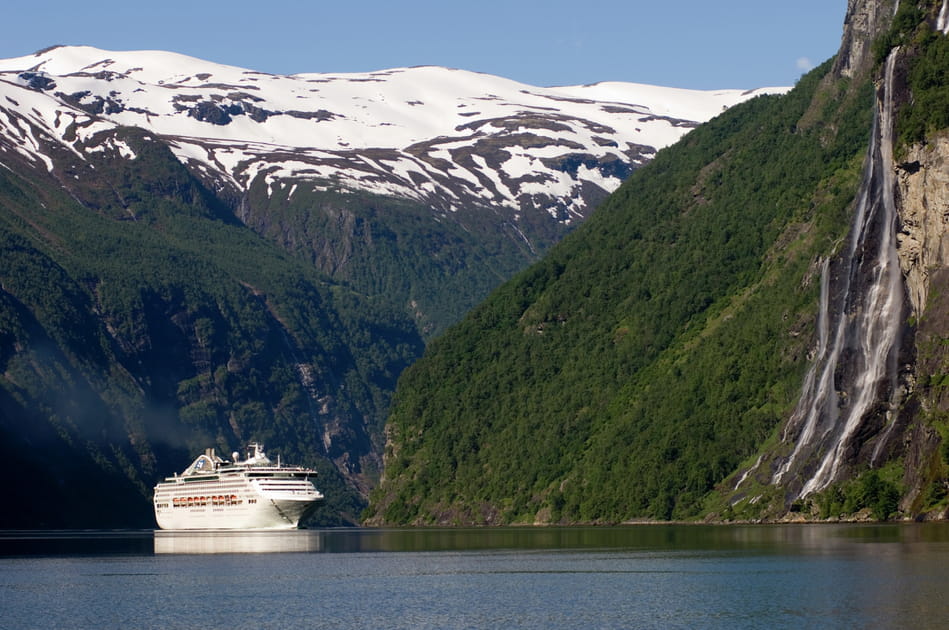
{"x":651,"y":351}
{"x":141,"y":323}
{"x":393,"y":249}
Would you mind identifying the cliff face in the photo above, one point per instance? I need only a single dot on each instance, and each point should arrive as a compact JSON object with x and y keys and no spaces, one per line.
{"x":904,"y":423}
{"x":875,"y":402}
{"x":864,"y":22}
{"x":923,"y":201}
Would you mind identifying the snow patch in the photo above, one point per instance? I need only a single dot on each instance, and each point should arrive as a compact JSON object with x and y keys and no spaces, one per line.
{"x":391,"y":132}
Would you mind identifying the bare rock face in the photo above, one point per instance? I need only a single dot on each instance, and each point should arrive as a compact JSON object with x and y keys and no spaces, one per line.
{"x":865,"y":20}
{"x":923,"y":241}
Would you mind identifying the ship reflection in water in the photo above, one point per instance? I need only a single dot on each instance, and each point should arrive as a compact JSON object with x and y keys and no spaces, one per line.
{"x":210,"y":542}
{"x":558,"y":578}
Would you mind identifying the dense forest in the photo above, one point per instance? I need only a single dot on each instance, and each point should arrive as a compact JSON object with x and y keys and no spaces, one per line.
{"x":140,"y":323}
{"x":654,"y":349}
{"x":391,"y":248}
{"x":648,"y":365}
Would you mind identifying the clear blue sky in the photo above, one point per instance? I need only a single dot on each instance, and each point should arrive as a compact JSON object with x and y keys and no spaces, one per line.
{"x":700,"y":44}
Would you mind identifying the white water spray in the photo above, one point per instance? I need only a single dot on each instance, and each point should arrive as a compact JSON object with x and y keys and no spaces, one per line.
{"x":943,"y":22}
{"x":858,"y":323}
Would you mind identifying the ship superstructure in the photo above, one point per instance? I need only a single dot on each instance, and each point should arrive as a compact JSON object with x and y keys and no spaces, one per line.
{"x":253,"y":493}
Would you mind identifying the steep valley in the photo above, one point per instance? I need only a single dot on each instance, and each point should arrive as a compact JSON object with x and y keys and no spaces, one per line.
{"x":198,"y":255}
{"x":470,"y":301}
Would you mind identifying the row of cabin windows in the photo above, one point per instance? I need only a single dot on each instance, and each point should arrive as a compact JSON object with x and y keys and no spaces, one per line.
{"x":187,"y":502}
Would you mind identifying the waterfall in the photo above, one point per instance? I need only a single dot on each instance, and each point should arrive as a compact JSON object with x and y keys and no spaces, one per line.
{"x":859,"y":321}
{"x":943,"y":22}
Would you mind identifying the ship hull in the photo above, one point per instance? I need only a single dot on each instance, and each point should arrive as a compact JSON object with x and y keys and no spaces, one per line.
{"x":265,"y":514}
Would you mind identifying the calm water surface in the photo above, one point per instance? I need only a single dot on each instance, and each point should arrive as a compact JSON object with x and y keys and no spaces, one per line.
{"x":806,"y":576}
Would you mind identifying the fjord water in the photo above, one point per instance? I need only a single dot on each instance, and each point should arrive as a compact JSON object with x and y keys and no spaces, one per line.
{"x":650,"y":576}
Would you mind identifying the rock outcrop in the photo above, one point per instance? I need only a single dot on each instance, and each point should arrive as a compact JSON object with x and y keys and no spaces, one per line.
{"x":865,"y":21}
{"x":923,"y":189}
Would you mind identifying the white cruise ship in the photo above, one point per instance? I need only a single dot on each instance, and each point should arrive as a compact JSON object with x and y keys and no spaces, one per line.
{"x":253,"y":493}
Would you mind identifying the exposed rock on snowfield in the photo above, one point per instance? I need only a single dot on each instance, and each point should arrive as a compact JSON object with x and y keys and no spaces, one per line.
{"x":470,"y":174}
{"x":447,"y":138}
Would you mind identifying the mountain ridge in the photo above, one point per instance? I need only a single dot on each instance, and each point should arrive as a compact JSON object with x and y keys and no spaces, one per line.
{"x":742,"y":331}
{"x":512,"y":166}
{"x":224,"y":119}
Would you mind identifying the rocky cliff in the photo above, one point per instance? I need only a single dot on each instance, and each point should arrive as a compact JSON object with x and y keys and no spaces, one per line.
{"x":875,"y":399}
{"x":922,"y":200}
{"x":924,"y":217}
{"x":864,"y":22}
{"x":923,"y":246}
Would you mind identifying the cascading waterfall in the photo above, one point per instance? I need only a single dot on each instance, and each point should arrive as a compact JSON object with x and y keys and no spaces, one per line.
{"x":861,"y":311}
{"x":943,"y":22}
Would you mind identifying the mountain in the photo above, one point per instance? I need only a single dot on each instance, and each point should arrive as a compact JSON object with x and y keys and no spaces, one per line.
{"x":422,"y":186}
{"x":140,"y":322}
{"x":752,"y":326}
{"x":196,"y":255}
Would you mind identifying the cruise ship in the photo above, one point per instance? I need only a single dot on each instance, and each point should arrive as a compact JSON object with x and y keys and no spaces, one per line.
{"x":253,"y":493}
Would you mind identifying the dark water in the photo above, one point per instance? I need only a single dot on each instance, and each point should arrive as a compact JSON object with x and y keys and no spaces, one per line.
{"x":813,"y":576}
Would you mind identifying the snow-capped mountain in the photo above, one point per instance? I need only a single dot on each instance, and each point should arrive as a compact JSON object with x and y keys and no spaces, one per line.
{"x":448,"y":139}
{"x":194,"y":250}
